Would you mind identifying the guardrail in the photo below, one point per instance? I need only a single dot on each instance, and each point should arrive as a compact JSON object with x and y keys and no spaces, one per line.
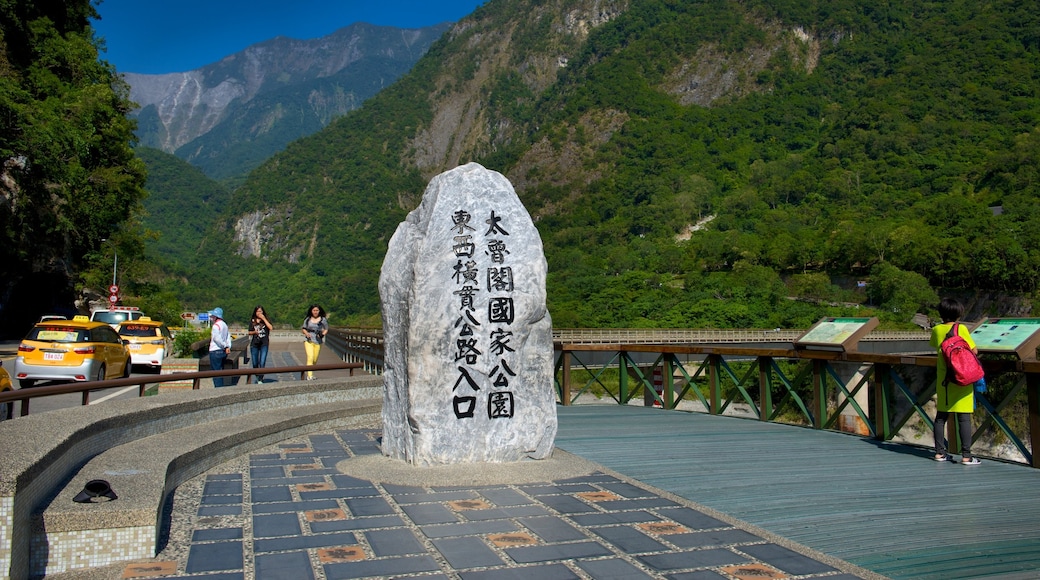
{"x":85,"y":388}
{"x":803,"y":387}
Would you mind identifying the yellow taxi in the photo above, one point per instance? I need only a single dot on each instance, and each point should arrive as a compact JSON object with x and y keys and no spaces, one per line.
{"x":5,"y":387}
{"x":71,"y":350}
{"x":149,"y":341}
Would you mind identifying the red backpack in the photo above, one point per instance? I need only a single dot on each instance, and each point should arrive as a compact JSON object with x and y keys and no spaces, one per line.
{"x":962,"y":366}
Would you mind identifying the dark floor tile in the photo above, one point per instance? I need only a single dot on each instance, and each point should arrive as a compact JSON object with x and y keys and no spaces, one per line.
{"x":288,"y":480}
{"x":467,"y":553}
{"x":637,"y":504}
{"x":787,"y":560}
{"x":692,"y":559}
{"x":543,"y":572}
{"x":394,"y":542}
{"x":629,"y":540}
{"x":469,"y":528}
{"x":395,"y":489}
{"x":429,"y":513}
{"x":566,"y":504}
{"x":615,"y":518}
{"x":345,"y":481}
{"x":216,"y":534}
{"x":285,"y":566}
{"x":209,"y":500}
{"x":256,"y":473}
{"x":614,"y":568}
{"x":627,"y":490}
{"x":219,"y":576}
{"x":295,"y":506}
{"x":219,"y":510}
{"x":712,"y":538}
{"x":214,"y":557}
{"x":369,"y":506}
{"x":383,"y":567}
{"x":271,"y":494}
{"x":357,"y":524}
{"x":503,"y":497}
{"x":224,"y":477}
{"x":431,"y":497}
{"x":552,"y":529}
{"x":501,"y":513}
{"x":273,"y":525}
{"x":540,"y":490}
{"x":304,"y":542}
{"x":699,"y":575}
{"x":692,"y":518}
{"x":530,"y":554}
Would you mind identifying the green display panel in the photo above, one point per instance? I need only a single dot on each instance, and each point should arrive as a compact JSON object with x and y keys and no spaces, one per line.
{"x":836,"y":333}
{"x":1020,"y":336}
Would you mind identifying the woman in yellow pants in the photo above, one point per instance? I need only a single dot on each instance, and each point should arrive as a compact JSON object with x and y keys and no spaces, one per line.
{"x":315,"y":327}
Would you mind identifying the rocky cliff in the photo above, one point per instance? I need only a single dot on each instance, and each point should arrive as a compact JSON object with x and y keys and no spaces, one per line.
{"x":228,"y":116}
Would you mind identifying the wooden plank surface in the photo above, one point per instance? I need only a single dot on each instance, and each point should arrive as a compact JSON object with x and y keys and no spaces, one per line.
{"x":886,"y":507}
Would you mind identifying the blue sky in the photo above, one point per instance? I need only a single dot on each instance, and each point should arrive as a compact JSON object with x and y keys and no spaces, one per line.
{"x":161,"y":36}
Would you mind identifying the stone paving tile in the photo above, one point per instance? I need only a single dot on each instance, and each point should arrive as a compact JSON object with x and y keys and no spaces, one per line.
{"x":285,"y":566}
{"x":290,"y":515}
{"x":787,"y":560}
{"x":613,"y":568}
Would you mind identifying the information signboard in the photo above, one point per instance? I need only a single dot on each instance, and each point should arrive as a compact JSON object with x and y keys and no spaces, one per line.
{"x":836,"y":333}
{"x":1019,"y":336}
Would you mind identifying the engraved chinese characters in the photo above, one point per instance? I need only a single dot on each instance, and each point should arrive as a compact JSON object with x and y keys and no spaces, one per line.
{"x":467,"y":337}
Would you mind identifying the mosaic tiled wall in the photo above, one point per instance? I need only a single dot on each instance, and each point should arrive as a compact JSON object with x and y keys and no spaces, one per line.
{"x":64,"y":551}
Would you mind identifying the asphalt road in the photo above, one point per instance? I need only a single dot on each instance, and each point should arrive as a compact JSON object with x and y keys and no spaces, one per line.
{"x":8,"y":352}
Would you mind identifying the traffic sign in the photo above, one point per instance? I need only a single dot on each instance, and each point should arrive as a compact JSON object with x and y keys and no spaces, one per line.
{"x":113,"y":298}
{"x":188,"y":315}
{"x":113,"y":289}
{"x":203,"y":316}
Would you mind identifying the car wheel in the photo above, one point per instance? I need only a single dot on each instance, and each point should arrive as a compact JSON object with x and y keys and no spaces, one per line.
{"x":26,"y":383}
{"x":126,"y":369}
{"x":100,"y":373}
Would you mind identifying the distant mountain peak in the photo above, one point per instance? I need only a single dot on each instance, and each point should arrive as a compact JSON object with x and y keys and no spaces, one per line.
{"x":309,"y":82}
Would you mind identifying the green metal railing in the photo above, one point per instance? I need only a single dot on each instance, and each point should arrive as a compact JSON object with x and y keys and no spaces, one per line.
{"x":885,"y":392}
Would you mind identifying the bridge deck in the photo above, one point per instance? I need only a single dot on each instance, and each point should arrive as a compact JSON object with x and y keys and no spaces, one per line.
{"x":886,"y":507}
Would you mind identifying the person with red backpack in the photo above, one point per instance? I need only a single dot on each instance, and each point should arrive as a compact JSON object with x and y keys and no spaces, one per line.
{"x":956,"y":374}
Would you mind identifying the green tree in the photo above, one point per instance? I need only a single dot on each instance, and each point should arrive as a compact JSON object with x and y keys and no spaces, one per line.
{"x":68,"y":174}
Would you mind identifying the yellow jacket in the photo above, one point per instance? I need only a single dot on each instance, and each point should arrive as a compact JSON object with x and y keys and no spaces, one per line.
{"x":951,"y":398}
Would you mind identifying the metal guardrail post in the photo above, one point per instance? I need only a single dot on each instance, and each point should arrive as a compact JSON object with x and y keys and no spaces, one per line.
{"x":1033,"y":401}
{"x":714,"y":383}
{"x":819,"y":381}
{"x":882,"y":414}
{"x":765,"y":388}
{"x":565,"y":358}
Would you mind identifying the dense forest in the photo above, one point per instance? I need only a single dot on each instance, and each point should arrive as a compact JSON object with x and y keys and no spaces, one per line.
{"x":700,"y":164}
{"x":69,"y":179}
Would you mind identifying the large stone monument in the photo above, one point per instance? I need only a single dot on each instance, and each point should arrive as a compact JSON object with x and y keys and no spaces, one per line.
{"x":468,"y":361}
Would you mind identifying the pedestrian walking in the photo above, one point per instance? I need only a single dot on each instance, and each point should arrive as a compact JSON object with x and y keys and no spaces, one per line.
{"x":315,"y":327}
{"x":219,"y":343}
{"x":260,"y":339}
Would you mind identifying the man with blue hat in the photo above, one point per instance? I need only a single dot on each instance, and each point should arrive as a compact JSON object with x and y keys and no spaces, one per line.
{"x":219,"y":343}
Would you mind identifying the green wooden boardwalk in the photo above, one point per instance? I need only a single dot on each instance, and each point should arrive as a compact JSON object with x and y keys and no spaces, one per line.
{"x":883,"y":506}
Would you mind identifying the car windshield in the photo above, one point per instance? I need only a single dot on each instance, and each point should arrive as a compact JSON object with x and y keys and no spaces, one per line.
{"x":111,"y":317}
{"x":58,"y":334}
{"x":137,"y":330}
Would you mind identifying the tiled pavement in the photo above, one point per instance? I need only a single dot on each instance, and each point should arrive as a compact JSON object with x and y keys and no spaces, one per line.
{"x":290,"y":514}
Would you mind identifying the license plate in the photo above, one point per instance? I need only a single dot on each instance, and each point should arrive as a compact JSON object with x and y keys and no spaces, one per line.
{"x":53,"y":356}
{"x":135,"y":347}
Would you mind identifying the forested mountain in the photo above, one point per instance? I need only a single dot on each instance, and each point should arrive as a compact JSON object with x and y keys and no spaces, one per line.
{"x":182,"y":204}
{"x":228,"y":117}
{"x":687,"y":163}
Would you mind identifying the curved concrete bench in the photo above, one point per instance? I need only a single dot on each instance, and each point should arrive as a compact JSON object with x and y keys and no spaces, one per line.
{"x":145,"y":448}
